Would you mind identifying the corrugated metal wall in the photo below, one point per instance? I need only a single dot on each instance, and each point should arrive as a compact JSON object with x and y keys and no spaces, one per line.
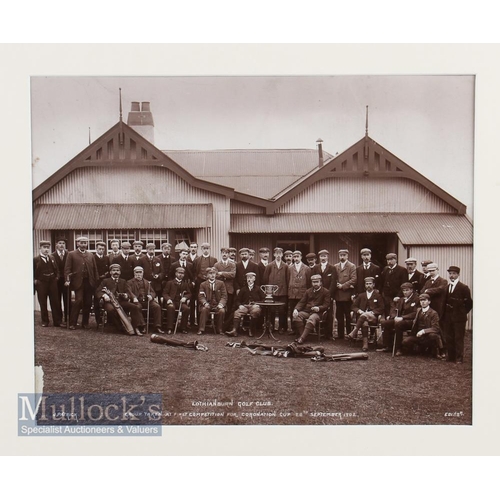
{"x":254,"y":241}
{"x":142,"y":185}
{"x":238,"y":207}
{"x":445,"y":256}
{"x":366,"y":195}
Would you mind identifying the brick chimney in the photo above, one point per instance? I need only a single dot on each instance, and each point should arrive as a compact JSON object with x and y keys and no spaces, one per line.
{"x":140,"y":119}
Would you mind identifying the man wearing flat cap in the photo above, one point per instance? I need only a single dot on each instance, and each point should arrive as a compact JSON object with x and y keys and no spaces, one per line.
{"x":177,"y":295}
{"x":436,"y":286}
{"x":166,"y":262}
{"x":365,"y":270}
{"x":310,"y":308}
{"x":124,"y":295}
{"x":60,"y":255}
{"x":46,"y":275}
{"x":102,"y":264}
{"x":226,"y":272}
{"x":425,"y":332}
{"x":328,"y":275}
{"x":264,"y":253}
{"x":232,"y":254}
{"x":244,"y":266}
{"x":415,"y":277}
{"x":424,"y":264}
{"x":143,"y":290}
{"x":458,"y":305}
{"x":400,"y":319}
{"x":212,"y":297}
{"x":245,"y":303}
{"x":125,"y":261}
{"x":299,"y":280}
{"x":153,"y":271}
{"x":343,"y":290}
{"x":288,"y":257}
{"x":367,"y":308}
{"x":276,"y":273}
{"x":82,"y":277}
{"x":391,"y":279}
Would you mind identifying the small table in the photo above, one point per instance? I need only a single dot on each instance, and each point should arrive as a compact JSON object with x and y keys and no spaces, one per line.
{"x":268,"y":324}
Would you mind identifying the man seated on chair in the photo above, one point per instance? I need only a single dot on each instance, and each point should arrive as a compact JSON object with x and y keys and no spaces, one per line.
{"x":310,"y":308}
{"x":128,"y":301}
{"x":367,"y":308}
{"x":145,"y":294}
{"x":176,"y":295}
{"x":212,"y":297}
{"x":245,"y":304}
{"x":401,"y":318}
{"x":425,"y":332}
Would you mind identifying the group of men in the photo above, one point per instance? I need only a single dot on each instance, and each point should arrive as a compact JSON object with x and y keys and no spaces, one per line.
{"x":195,"y":287}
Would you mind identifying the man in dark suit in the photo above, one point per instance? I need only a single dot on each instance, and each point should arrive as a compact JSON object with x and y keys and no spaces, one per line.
{"x":115,"y":251}
{"x":263,"y":262}
{"x":328,"y":275}
{"x":82,"y":276}
{"x":343,"y":290}
{"x":201,"y":264}
{"x":193,"y":252}
{"x":367,"y":308}
{"x":276,"y":273}
{"x":244,"y":266}
{"x":403,"y":312}
{"x":145,"y":294}
{"x":177,"y":295}
{"x":166,"y":262}
{"x":102,"y":264}
{"x":126,"y":262}
{"x":425,"y":332}
{"x":415,"y":277}
{"x":45,"y":275}
{"x":308,"y":311}
{"x":60,"y":256}
{"x":436,"y":287}
{"x":121,"y":291}
{"x":365,"y":270}
{"x":212,"y":297}
{"x":391,"y":279}
{"x":189,"y":275}
{"x":138,"y":256}
{"x":458,"y":304}
{"x":311,"y":260}
{"x":226,"y":272}
{"x":153,"y":269}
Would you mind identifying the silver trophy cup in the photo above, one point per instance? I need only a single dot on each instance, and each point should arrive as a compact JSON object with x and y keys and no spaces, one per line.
{"x":269,"y":290}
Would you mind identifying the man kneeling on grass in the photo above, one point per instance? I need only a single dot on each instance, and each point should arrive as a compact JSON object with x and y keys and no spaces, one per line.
{"x":246,"y":304}
{"x":425,"y":332}
{"x":310,"y":308}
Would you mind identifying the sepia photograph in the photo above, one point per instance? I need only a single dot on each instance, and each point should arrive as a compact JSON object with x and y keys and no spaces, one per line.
{"x":256,"y":250}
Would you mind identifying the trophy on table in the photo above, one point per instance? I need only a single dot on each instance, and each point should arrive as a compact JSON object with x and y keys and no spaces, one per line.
{"x":269,"y":290}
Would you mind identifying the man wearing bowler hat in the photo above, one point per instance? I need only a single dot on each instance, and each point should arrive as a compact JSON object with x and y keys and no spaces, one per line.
{"x":82,"y":277}
{"x":343,"y":290}
{"x":46,"y":274}
{"x":458,"y":305}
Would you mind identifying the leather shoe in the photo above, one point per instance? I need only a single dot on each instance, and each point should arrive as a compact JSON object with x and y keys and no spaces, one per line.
{"x":45,"y":324}
{"x":169,"y":332}
{"x":138,"y":332}
{"x":72,"y":327}
{"x":399,"y":353}
{"x":299,"y":341}
{"x":200,"y":332}
{"x":159,"y":330}
{"x":383,"y":349}
{"x":185,"y":331}
{"x":231,"y":333}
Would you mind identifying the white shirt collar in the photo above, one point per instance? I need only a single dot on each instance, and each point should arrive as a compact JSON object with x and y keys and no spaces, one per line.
{"x":425,"y":309}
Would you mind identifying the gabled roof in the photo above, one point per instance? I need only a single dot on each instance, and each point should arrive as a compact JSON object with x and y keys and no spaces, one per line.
{"x":257,"y":172}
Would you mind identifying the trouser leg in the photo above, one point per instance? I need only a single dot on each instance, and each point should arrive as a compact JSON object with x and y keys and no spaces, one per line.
{"x":76,"y":306}
{"x":400,"y":327}
{"x":88,"y":294}
{"x":42,"y":291}
{"x":55,"y":303}
{"x":388,"y":329}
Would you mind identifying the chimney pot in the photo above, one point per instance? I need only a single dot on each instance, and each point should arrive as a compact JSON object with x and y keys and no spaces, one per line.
{"x":135,"y":106}
{"x":145,"y":106}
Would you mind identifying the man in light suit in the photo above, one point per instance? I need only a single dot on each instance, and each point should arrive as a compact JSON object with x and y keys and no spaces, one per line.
{"x":458,"y":304}
{"x":343,"y":290}
{"x":82,"y":276}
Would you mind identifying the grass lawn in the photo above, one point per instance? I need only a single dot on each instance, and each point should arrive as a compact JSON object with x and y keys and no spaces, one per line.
{"x":380,"y":391}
